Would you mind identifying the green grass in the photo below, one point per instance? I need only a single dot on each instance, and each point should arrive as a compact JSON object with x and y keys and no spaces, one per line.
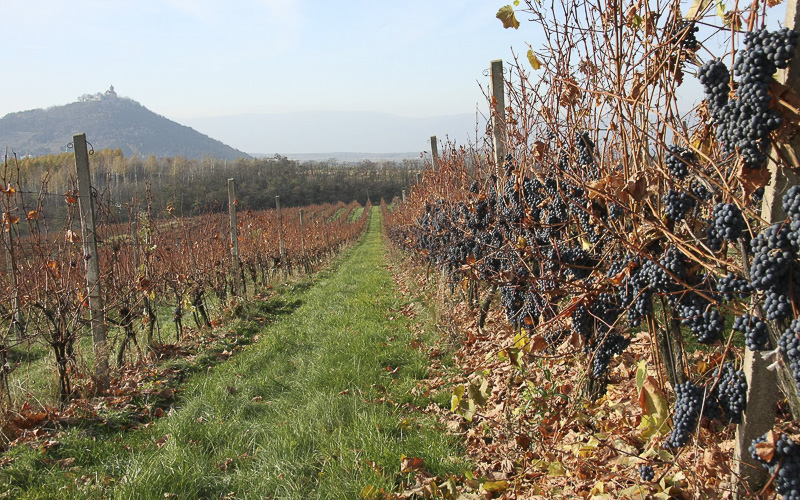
{"x":286,"y":418}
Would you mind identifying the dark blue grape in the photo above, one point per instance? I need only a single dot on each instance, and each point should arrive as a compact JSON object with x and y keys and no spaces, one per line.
{"x":647,"y":473}
{"x":756,"y":335}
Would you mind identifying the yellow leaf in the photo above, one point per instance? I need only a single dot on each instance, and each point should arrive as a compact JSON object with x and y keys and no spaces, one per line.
{"x":495,"y":486}
{"x":369,"y":492}
{"x":507,"y":17}
{"x":556,"y":469}
{"x":655,"y":407}
{"x":479,"y":390}
{"x":455,"y":401}
{"x":641,"y":375}
{"x":697,"y":9}
{"x":535,"y":62}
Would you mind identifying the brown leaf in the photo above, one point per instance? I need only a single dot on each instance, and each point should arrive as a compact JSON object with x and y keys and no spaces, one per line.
{"x":766,"y":450}
{"x":638,"y":86}
{"x":570,"y":94}
{"x":539,"y":150}
{"x":650,"y":23}
{"x":160,"y":442}
{"x":752,"y":178}
{"x":538,"y":343}
{"x":713,"y":458}
{"x":71,"y":236}
{"x":223,"y":466}
{"x":787,"y":103}
{"x":408,"y":464}
{"x":636,"y":187}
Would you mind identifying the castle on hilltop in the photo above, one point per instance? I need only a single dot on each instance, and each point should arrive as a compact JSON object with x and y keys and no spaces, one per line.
{"x":108,"y":94}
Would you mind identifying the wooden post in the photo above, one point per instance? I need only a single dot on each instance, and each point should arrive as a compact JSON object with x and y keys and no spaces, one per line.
{"x":90,"y":258}
{"x":303,"y":240}
{"x":135,"y":241}
{"x":498,"y":115}
{"x":763,"y":384}
{"x":236,"y":267}
{"x":434,"y":153}
{"x":17,"y":324}
{"x":281,"y":247}
{"x":325,"y":228}
{"x":404,"y":196}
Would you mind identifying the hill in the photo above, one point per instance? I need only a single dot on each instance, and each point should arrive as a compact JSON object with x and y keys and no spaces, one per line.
{"x":110,"y":121}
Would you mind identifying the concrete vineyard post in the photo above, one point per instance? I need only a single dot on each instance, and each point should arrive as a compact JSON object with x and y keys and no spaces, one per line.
{"x":303,"y":240}
{"x":498,"y":115}
{"x":91,"y":261}
{"x":763,"y":384}
{"x":17,"y":325}
{"x":234,"y":228}
{"x":434,"y":153}
{"x":281,"y":248}
{"x":325,"y":229}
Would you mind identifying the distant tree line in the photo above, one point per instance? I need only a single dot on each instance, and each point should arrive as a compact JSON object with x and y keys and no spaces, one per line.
{"x":191,"y":187}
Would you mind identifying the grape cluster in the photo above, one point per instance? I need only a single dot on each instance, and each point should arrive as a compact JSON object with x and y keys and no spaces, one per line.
{"x":612,"y":344}
{"x":615,"y":211}
{"x":678,"y":160}
{"x":510,"y":207}
{"x":784,"y":465}
{"x":789,"y":344}
{"x":677,"y":204}
{"x":582,"y":322}
{"x":791,"y":203}
{"x":512,"y":299}
{"x":700,"y":191}
{"x":774,"y":257}
{"x":647,"y":473}
{"x":731,"y":392}
{"x":702,"y":318}
{"x":727,"y":224}
{"x":684,"y":34}
{"x":731,"y":286}
{"x":756,"y":335}
{"x":715,"y":78}
{"x":687,"y":409}
{"x":636,"y":296}
{"x":674,"y":262}
{"x":744,"y":123}
{"x":584,"y":146}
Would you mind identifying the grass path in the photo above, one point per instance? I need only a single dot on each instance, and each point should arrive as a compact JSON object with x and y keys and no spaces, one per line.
{"x":286,"y":418}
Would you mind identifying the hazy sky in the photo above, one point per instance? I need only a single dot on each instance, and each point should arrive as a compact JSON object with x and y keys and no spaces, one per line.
{"x":193,"y":58}
{"x":188,"y":59}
